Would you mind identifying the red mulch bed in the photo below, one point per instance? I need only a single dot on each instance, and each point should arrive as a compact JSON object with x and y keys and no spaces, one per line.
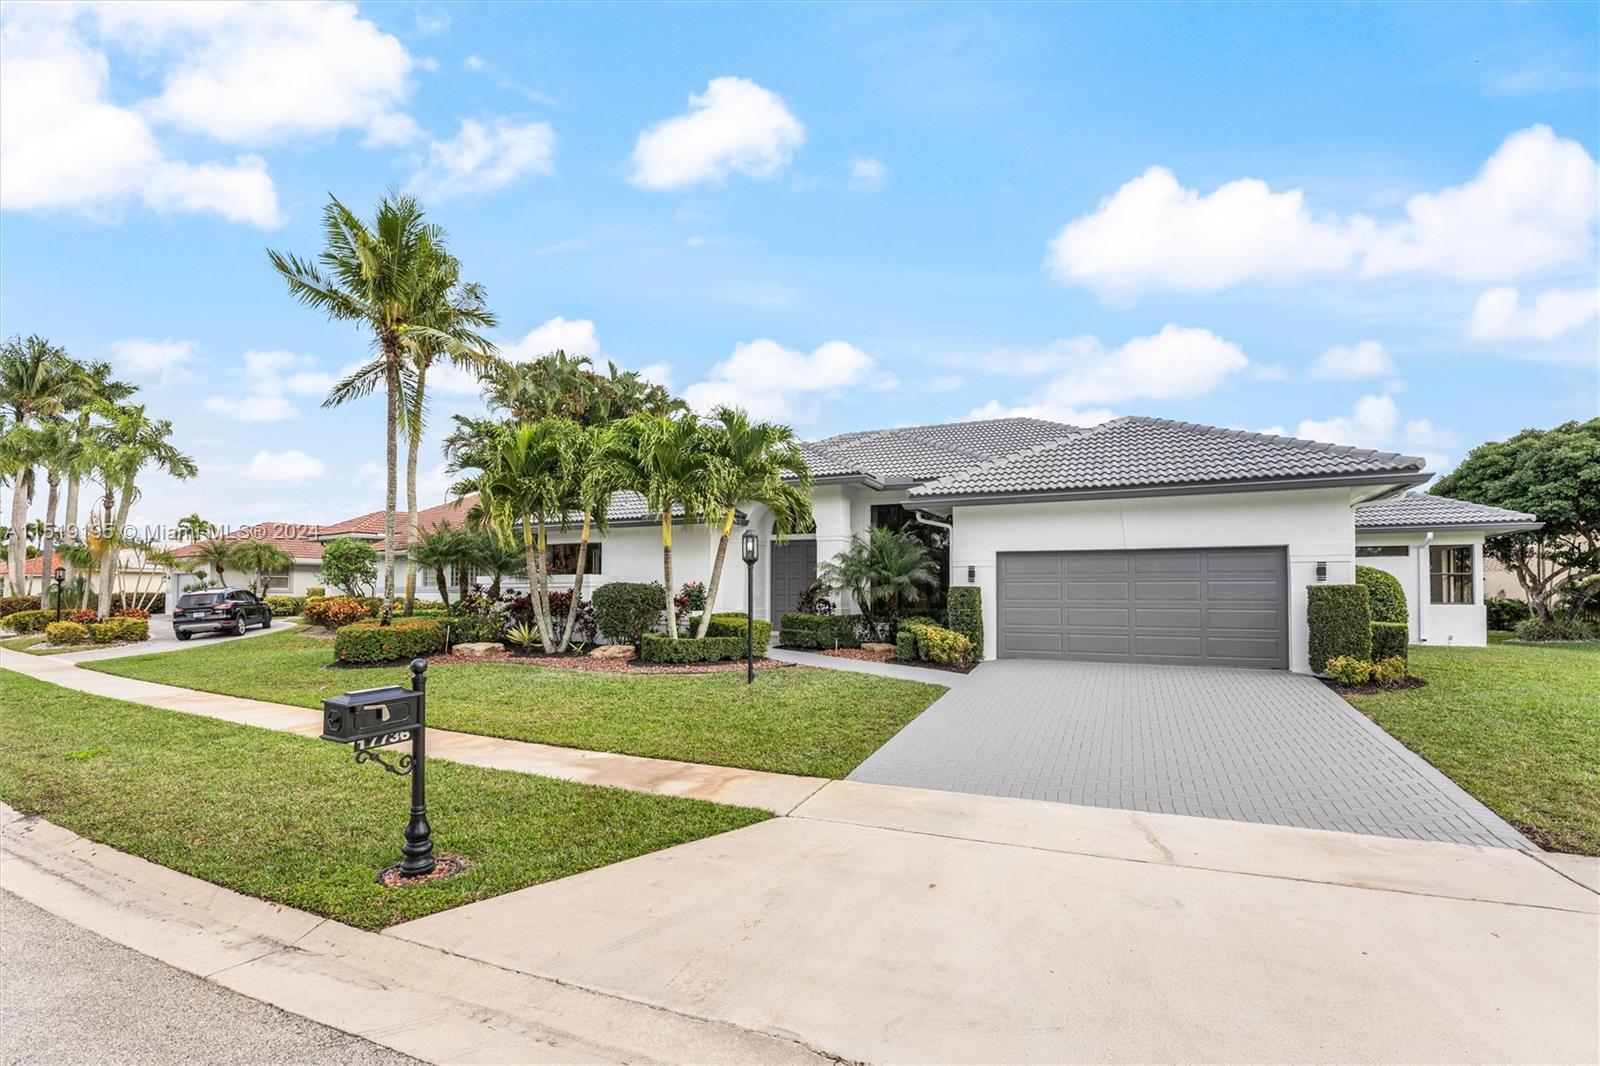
{"x":611,"y":666}
{"x":888,"y":657}
{"x":443,"y":866}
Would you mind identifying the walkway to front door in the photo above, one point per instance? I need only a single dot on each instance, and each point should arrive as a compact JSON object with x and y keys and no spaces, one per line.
{"x":1251,"y":745}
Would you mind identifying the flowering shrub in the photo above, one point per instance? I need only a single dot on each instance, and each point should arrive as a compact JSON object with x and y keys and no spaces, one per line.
{"x":691,"y":599}
{"x":812,"y":600}
{"x":332,"y":612}
{"x":130,"y":612}
{"x":83,"y":617}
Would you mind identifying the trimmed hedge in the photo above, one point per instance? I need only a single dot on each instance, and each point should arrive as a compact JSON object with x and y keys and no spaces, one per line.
{"x":625,"y":610}
{"x":1341,"y":626}
{"x":1390,"y":640}
{"x":729,"y":624}
{"x":941,"y":645}
{"x":66,"y":633}
{"x":905,"y":645}
{"x":404,"y":638}
{"x":1505,"y":613}
{"x":32,"y":621}
{"x":286,"y":606}
{"x":112,"y":630}
{"x":965,"y":614}
{"x":1386,"y":599}
{"x":824,"y":631}
{"x":1348,"y":670}
{"x":1556,"y":629}
{"x":335,"y":612}
{"x":660,"y":648}
{"x":10,"y":605}
{"x":473,"y":628}
{"x":316,"y":592}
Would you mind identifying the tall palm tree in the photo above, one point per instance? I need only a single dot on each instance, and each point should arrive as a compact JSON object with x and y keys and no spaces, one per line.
{"x":98,"y":388}
{"x":132,"y":442}
{"x":594,"y":466}
{"x":753,"y":462}
{"x":194,"y":529}
{"x":386,"y":277}
{"x":36,"y":383}
{"x":666,"y":460}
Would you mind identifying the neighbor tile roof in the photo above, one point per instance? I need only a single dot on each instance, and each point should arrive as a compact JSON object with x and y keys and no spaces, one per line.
{"x":1421,"y":511}
{"x":1135,"y":453}
{"x":290,"y":536}
{"x":34,"y":566}
{"x":919,"y":453}
{"x":371,"y":524}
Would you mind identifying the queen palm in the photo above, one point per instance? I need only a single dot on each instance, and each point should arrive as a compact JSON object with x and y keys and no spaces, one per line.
{"x":666,"y":460}
{"x":386,"y":277}
{"x":753,"y":462}
{"x":132,"y":442}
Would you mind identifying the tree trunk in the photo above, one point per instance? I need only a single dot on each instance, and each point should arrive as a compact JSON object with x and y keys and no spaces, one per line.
{"x":577,"y":584}
{"x":69,"y":525}
{"x":444,"y":588}
{"x":716,"y":572}
{"x":413,"y":443}
{"x":541,"y":595}
{"x":666,"y":571}
{"x":17,"y":550}
{"x":534,"y":552}
{"x":47,"y":550}
{"x":108,"y":558}
{"x":391,"y":475}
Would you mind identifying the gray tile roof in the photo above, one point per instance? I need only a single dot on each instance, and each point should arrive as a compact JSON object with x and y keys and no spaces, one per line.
{"x":1142,"y":453}
{"x":920,"y":453}
{"x":1418,"y":510}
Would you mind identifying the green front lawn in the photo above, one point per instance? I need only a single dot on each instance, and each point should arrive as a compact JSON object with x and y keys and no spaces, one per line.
{"x":34,"y":644}
{"x":1516,"y":725}
{"x":294,"y":820}
{"x":794,"y":720}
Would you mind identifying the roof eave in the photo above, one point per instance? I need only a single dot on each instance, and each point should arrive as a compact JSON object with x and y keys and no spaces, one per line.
{"x":1452,"y":527}
{"x":1208,"y":488}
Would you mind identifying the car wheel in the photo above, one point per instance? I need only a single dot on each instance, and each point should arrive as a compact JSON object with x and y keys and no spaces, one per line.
{"x":267,"y":624}
{"x":239,"y":625}
{"x":183,"y":636}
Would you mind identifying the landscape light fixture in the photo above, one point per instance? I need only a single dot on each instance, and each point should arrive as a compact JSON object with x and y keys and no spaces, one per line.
{"x":61,"y":580}
{"x":751,"y":549}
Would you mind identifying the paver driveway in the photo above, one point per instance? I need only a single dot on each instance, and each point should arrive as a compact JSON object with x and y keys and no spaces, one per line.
{"x":1252,"y":745}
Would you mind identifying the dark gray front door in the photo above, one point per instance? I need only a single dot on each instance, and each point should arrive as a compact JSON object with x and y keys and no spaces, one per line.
{"x":1209,"y":606}
{"x":794,"y":568}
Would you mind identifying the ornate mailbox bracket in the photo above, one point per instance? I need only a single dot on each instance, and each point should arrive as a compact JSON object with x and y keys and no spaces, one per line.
{"x":400,"y":768}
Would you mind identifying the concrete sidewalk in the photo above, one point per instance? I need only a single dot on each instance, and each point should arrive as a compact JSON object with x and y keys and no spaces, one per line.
{"x":779,"y":793}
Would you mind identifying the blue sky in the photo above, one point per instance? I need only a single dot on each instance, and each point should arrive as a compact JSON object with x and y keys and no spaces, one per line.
{"x":1367,"y":224}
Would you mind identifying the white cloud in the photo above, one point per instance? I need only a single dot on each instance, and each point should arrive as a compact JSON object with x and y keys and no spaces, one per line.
{"x":394,"y":128}
{"x":766,"y":379}
{"x":1375,"y":422}
{"x":270,"y":378}
{"x":1531,"y":207}
{"x":1050,"y":412}
{"x":292,"y":467}
{"x":1346,"y":362}
{"x":165,"y":361}
{"x":868,"y":173}
{"x":1177,"y":363}
{"x":575,"y":336}
{"x":483,"y":158}
{"x":1500,"y":316}
{"x":65,"y":146}
{"x":735,"y":126}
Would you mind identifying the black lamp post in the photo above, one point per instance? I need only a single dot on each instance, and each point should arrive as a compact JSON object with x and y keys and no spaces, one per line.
{"x":752,"y":551}
{"x":61,"y":580}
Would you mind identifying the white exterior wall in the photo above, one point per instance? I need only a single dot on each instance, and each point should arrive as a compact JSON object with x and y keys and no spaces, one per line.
{"x":1315,"y":525}
{"x":1464,"y":624}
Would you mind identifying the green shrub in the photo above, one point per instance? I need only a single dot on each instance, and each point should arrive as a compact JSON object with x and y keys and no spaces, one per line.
{"x":316,"y":592}
{"x":624,"y":610}
{"x":1390,"y":640}
{"x":474,"y":628}
{"x":1555,"y":629}
{"x":335,"y":612}
{"x":404,"y":638}
{"x":730,"y":624}
{"x":1504,"y":613}
{"x":1340,"y":623}
{"x":942,"y":645}
{"x":824,"y":631}
{"x":905,"y":645}
{"x":30,"y":621}
{"x":1348,"y":669}
{"x":660,"y":648}
{"x":286,"y":606}
{"x":1386,"y":599}
{"x":107,"y":632}
{"x":66,"y":632}
{"x":10,"y":605}
{"x":1390,"y":671}
{"x":965,"y":612}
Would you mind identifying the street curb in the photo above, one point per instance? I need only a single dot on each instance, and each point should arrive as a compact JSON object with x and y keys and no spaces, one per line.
{"x":417,"y":1000}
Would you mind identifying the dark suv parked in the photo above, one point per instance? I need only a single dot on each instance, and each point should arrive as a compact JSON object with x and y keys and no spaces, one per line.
{"x":227,"y":610}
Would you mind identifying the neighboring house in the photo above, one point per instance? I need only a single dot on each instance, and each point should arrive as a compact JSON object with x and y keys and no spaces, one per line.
{"x":296,"y":542}
{"x":1434,"y":545}
{"x":132,"y":576}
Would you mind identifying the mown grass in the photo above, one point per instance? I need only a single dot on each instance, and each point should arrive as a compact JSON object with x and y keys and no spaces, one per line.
{"x":795,"y":720}
{"x":294,"y":820}
{"x":1516,"y":725}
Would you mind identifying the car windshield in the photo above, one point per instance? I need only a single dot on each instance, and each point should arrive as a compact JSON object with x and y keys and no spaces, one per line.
{"x":198,"y":599}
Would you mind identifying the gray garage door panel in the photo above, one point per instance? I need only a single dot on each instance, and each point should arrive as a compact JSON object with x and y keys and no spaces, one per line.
{"x":1212,"y":607}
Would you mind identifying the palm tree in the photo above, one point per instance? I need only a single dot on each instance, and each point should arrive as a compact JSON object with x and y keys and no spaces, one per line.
{"x":666,"y":460}
{"x":194,"y":529}
{"x":884,"y":567}
{"x":261,"y":558}
{"x":133,"y":441}
{"x":97,"y":388}
{"x":36,"y":384}
{"x":753,"y":462}
{"x":387,"y":277}
{"x":444,"y":549}
{"x":594,"y":466}
{"x":216,"y":553}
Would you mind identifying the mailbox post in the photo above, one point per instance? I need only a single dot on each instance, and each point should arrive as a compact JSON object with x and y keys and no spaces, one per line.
{"x":377,"y":718}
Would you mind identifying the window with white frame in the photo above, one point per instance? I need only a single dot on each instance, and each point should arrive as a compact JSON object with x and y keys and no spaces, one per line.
{"x":277,"y":580}
{"x":1450,"y":577}
{"x":1382,"y":551}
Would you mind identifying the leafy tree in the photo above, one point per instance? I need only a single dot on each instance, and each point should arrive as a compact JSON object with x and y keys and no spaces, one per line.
{"x":350,"y":565}
{"x":1555,"y":475}
{"x":753,"y":462}
{"x":396,"y":279}
{"x":261,"y":558}
{"x":884,"y":569}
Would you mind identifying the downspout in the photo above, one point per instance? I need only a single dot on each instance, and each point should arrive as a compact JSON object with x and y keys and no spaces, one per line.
{"x":924,"y":520}
{"x":1424,"y":591}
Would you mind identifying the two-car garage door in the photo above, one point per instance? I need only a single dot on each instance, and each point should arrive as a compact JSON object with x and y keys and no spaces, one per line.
{"x":1208,"y":606}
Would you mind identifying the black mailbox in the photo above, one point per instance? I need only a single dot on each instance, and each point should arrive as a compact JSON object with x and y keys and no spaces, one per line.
{"x":372,"y":718}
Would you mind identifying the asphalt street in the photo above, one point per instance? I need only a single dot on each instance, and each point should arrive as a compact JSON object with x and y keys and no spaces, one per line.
{"x":70,"y":996}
